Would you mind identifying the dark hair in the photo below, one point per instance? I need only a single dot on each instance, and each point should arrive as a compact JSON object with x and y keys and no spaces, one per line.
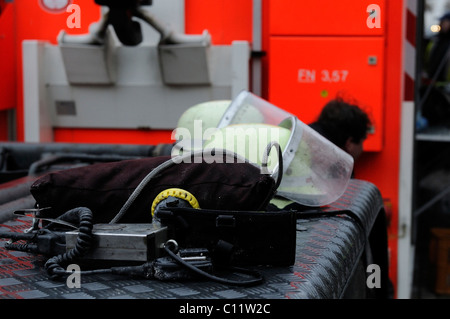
{"x":446,"y":16}
{"x":340,"y":120}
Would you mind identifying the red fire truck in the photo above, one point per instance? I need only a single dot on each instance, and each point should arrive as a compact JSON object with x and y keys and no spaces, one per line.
{"x":302,"y":54}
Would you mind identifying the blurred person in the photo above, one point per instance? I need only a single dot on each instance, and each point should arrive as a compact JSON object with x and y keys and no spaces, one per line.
{"x":437,"y":52}
{"x":344,"y":124}
{"x":434,"y":107}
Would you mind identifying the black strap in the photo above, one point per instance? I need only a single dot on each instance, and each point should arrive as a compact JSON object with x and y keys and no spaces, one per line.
{"x":322,"y":213}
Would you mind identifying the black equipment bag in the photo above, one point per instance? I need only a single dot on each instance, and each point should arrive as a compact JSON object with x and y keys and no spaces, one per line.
{"x":106,"y":187}
{"x":235,"y":238}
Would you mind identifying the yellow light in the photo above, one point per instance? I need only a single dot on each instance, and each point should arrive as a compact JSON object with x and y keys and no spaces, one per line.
{"x":435,"y":28}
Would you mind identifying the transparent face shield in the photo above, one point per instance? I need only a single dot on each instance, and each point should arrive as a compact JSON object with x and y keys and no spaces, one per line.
{"x":249,"y":108}
{"x":315,"y":171}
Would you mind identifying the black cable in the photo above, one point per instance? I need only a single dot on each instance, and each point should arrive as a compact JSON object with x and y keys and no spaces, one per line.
{"x":258,"y":279}
{"x":320,"y":213}
{"x":146,"y":270}
{"x":25,"y":247}
{"x":84,"y":240}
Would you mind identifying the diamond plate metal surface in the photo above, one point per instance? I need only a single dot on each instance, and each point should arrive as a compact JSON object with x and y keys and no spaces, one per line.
{"x":328,"y":250}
